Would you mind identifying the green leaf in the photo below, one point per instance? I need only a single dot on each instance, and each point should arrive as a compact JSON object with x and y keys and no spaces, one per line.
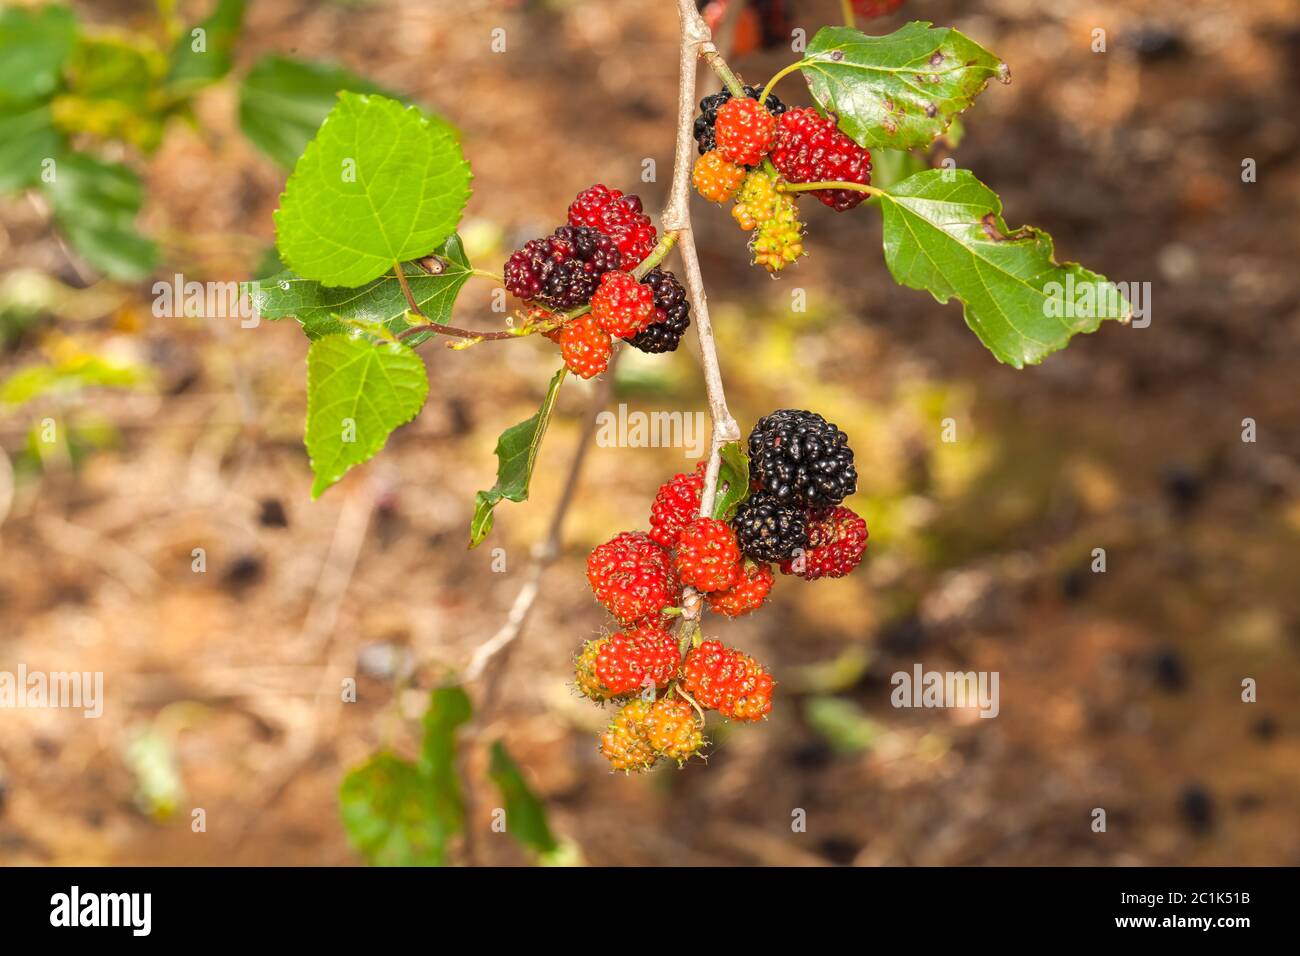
{"x":319,"y":307}
{"x":95,"y":205}
{"x":900,"y":90}
{"x":357,"y":393}
{"x":449,"y":708}
{"x":282,"y":103}
{"x":845,"y":725}
{"x":525,"y":815}
{"x":516,"y":455}
{"x":192,"y":68}
{"x":113,"y":85}
{"x":949,"y":238}
{"x":733,"y":481}
{"x":33,"y":46}
{"x":70,"y":374}
{"x":27,"y":139}
{"x":379,"y":184}
{"x":391,"y":814}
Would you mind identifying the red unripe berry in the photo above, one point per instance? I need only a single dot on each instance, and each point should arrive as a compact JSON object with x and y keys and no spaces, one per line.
{"x":723,"y":679}
{"x":837,"y":539}
{"x":618,"y":216}
{"x":622,"y":306}
{"x":585,"y":346}
{"x":633,"y":577}
{"x":810,"y":149}
{"x":677,"y":504}
{"x":708,"y":557}
{"x":747,"y":593}
{"x":745,"y":130}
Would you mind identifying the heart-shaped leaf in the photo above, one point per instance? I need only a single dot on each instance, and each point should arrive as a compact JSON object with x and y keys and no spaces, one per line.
{"x":379,"y":184}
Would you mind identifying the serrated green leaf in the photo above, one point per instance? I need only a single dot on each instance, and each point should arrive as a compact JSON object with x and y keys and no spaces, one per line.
{"x":283,"y":101}
{"x":900,"y":90}
{"x":27,"y":139}
{"x":449,"y":708}
{"x":525,"y":815}
{"x":95,"y":205}
{"x":381,"y":301}
{"x":33,"y":46}
{"x":357,"y":393}
{"x":944,"y":233}
{"x":379,"y":184}
{"x":733,"y":481}
{"x":391,"y":815}
{"x":516,"y":455}
{"x":192,"y":68}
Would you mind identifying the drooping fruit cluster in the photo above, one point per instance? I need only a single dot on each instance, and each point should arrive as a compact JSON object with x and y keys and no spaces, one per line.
{"x":780,"y":148}
{"x":800,"y":469}
{"x":810,"y":149}
{"x":580,"y":287}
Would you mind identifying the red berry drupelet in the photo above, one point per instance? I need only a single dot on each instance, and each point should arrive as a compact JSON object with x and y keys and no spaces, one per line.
{"x":618,"y":216}
{"x":837,"y":539}
{"x":633,"y":577}
{"x":672,"y":314}
{"x":621,"y":305}
{"x":809,"y":149}
{"x":747,"y":593}
{"x":708,"y":557}
{"x":676,"y":504}
{"x":745,"y":131}
{"x":723,"y":679}
{"x":585,"y":346}
{"x":563,"y":269}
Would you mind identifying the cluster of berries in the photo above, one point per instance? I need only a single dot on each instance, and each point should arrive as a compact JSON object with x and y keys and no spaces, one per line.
{"x":749,"y":149}
{"x":590,"y":262}
{"x":801,"y":469}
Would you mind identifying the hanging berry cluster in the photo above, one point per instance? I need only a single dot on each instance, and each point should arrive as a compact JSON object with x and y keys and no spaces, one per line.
{"x":801,"y":469}
{"x":582,"y":284}
{"x":751,"y":147}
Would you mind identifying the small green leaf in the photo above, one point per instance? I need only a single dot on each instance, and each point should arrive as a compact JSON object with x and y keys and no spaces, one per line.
{"x":516,"y":455}
{"x":733,"y":481}
{"x":449,"y":708}
{"x":525,"y":815}
{"x":900,"y":90}
{"x":95,"y":205}
{"x":379,"y":184}
{"x":70,"y":374}
{"x":282,"y":103}
{"x":381,"y":301}
{"x":200,"y":58}
{"x":33,"y":46}
{"x":944,"y":233}
{"x":357,"y":393}
{"x":845,"y":725}
{"x":27,"y":139}
{"x":391,"y":814}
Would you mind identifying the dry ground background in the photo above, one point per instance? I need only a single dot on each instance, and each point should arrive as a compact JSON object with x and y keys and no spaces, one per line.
{"x":1118,"y":690}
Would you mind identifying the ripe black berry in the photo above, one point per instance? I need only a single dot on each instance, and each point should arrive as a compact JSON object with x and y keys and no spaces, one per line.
{"x":672,"y":314}
{"x":802,"y":459}
{"x":768,"y":530}
{"x":708,"y":118}
{"x":563,"y":269}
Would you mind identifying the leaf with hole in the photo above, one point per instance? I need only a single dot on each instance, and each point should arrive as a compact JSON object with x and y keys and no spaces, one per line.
{"x":379,"y":184}
{"x":900,"y":90}
{"x":516,"y":456}
{"x":357,"y":393}
{"x":944,"y":233}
